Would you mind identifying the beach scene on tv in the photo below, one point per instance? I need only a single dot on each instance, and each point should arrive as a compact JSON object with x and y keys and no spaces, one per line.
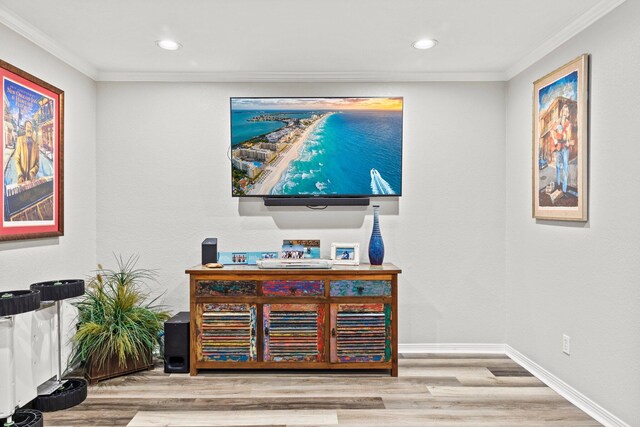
{"x":316,"y":146}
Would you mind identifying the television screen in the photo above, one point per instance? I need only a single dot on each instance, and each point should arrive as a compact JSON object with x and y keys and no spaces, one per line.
{"x":337,"y":147}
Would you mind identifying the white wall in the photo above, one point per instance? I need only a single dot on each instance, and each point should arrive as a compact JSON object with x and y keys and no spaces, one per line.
{"x":72,"y":255}
{"x":583,"y":279}
{"x":164,"y":185}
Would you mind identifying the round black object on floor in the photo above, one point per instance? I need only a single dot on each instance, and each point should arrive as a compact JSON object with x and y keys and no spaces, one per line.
{"x":72,"y":393}
{"x":56,"y":290}
{"x":25,"y":418}
{"x":16,"y":302}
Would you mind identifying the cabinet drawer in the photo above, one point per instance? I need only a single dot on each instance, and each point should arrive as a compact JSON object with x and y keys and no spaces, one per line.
{"x":356,"y":288}
{"x":299,"y":288}
{"x":214,"y":288}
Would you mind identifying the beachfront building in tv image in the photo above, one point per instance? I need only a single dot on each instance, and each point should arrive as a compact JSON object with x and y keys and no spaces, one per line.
{"x":303,"y":146}
{"x":258,"y":157}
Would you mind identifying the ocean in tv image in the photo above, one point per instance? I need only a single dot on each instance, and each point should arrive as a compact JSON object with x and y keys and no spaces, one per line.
{"x":316,"y":146}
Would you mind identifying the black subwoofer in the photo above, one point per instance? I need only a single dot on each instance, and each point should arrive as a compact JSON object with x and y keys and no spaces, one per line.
{"x":176,"y":344}
{"x":209,"y":250}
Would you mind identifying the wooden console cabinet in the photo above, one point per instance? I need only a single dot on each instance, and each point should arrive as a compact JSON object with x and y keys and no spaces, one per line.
{"x":343,"y":318}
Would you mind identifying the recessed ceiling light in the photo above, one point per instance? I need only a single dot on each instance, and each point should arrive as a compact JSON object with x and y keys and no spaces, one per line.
{"x":168,"y":44}
{"x":425,"y":44}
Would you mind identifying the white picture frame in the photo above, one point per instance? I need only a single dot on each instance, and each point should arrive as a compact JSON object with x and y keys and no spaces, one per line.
{"x":345,"y":253}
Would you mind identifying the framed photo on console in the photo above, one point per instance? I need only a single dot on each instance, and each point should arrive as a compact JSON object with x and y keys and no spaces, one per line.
{"x":31,"y":205}
{"x":560,"y":143}
{"x":345,"y":253}
{"x":299,"y":249}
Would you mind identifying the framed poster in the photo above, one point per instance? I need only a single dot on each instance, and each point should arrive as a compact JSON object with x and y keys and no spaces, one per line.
{"x":560,"y":146}
{"x":32,"y":159}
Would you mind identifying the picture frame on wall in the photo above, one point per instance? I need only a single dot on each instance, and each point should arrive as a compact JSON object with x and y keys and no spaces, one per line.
{"x":345,"y":253}
{"x":32,"y":136}
{"x":560,"y":143}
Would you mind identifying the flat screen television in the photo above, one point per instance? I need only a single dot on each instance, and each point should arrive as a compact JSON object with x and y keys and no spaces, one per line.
{"x":330,"y":148}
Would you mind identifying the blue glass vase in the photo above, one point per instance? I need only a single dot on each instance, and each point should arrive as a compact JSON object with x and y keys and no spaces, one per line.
{"x":376,"y":245}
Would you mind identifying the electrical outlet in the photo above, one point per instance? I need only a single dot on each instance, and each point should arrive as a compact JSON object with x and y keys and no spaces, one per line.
{"x":566,"y":344}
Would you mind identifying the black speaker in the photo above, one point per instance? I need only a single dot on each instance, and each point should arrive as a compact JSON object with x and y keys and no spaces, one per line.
{"x":176,"y":344}
{"x":209,"y":250}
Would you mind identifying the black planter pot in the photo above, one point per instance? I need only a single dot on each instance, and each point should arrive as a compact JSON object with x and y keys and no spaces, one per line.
{"x":25,"y":418}
{"x":56,"y":290}
{"x":16,"y":302}
{"x":72,"y":393}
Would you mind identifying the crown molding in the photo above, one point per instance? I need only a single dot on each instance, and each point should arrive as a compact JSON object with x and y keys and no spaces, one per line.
{"x":288,"y":77}
{"x":34,"y":35}
{"x":37,"y":37}
{"x":575,"y":27}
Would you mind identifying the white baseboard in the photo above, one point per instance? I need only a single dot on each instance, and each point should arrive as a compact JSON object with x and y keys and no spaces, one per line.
{"x":587,"y":405}
{"x":592,"y":409}
{"x":451,"y":348}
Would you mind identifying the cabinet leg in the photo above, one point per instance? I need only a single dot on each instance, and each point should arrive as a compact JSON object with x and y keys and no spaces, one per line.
{"x":193,"y":371}
{"x":394,"y":369}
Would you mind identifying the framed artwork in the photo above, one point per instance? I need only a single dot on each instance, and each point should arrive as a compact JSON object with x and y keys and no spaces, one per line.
{"x":345,"y":253}
{"x":32,"y":159}
{"x":298,"y":249}
{"x":560,"y":143}
{"x":244,"y":258}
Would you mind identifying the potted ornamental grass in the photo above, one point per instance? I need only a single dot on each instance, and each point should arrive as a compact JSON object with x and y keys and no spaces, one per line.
{"x":118,"y":322}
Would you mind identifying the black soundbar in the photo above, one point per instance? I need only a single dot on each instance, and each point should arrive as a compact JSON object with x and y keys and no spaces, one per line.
{"x":316,"y":201}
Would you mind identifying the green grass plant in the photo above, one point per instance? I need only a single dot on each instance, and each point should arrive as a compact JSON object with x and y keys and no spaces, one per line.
{"x":116,"y":315}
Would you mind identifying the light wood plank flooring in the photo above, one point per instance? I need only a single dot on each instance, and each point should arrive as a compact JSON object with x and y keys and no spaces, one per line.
{"x":431,"y":389}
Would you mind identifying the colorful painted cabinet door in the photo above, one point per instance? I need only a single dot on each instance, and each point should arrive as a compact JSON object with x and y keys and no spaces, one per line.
{"x":226,"y":332}
{"x":293,"y":332}
{"x":360,"y":333}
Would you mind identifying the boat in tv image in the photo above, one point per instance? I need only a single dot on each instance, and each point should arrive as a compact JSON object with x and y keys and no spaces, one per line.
{"x":336,"y":147}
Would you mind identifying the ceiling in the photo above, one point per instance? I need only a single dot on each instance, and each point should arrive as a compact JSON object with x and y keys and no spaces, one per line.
{"x":301,"y":40}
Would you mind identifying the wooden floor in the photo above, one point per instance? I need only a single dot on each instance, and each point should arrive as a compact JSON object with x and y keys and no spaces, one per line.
{"x":431,"y":389}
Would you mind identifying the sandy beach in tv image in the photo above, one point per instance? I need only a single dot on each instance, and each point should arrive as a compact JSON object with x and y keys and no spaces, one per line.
{"x":316,"y":146}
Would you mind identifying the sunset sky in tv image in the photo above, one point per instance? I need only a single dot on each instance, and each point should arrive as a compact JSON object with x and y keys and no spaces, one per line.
{"x":386,"y":104}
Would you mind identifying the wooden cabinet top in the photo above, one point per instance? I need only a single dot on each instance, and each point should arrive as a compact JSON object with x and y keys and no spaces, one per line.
{"x":362,"y":269}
